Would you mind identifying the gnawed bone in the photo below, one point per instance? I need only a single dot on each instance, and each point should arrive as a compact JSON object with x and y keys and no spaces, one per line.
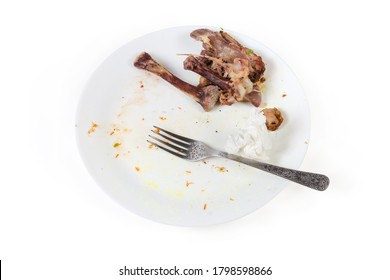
{"x":207,"y":96}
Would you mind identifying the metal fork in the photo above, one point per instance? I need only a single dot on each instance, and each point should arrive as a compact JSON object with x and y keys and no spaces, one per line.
{"x":194,"y":150}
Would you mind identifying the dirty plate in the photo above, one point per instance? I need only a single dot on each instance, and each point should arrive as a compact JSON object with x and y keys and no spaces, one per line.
{"x":120,"y":105}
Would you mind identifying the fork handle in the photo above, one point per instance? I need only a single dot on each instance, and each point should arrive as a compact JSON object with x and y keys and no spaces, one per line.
{"x":314,"y":181}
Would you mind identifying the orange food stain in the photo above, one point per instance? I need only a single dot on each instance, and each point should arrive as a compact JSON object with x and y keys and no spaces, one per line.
{"x":221,"y":169}
{"x":112,"y":132}
{"x":204,"y":206}
{"x":163,"y":118}
{"x":137,"y":169}
{"x":157,"y":130}
{"x":150,"y":146}
{"x":117,"y":155}
{"x":92,"y":128}
{"x":188,"y":183}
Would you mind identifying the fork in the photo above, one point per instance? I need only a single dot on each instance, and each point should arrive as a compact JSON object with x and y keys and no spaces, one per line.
{"x":194,"y":150}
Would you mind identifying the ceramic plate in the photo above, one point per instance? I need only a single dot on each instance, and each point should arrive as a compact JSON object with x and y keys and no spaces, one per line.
{"x":120,"y":105}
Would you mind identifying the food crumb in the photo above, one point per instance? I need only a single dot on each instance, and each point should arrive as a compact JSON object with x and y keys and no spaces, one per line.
{"x":188,"y":183}
{"x":137,"y":169}
{"x":202,"y":190}
{"x":163,"y":118}
{"x":221,"y":169}
{"x":179,"y":108}
{"x":306,"y":142}
{"x":117,"y":155}
{"x":188,"y":171}
{"x":204,"y":206}
{"x":92,"y":128}
{"x":284,"y":95}
{"x":112,"y":132}
{"x":143,"y":119}
{"x":116,"y":145}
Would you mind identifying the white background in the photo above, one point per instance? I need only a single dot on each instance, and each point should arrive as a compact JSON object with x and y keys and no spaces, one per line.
{"x":55,"y":223}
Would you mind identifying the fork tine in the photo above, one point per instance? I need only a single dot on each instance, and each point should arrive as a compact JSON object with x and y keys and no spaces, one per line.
{"x":185,"y":139}
{"x":179,"y":143}
{"x":167,"y":150}
{"x":179,"y":149}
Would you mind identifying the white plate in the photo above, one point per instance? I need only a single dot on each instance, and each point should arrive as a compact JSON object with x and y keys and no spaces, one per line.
{"x":122,"y":99}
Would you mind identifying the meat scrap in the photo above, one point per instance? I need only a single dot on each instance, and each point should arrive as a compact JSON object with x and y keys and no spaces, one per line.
{"x":229,"y":72}
{"x":273,"y":118}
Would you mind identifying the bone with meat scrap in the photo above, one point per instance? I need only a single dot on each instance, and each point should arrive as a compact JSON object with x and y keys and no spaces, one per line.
{"x":224,"y":62}
{"x":213,"y":77}
{"x":222,"y":45}
{"x":199,"y":67}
